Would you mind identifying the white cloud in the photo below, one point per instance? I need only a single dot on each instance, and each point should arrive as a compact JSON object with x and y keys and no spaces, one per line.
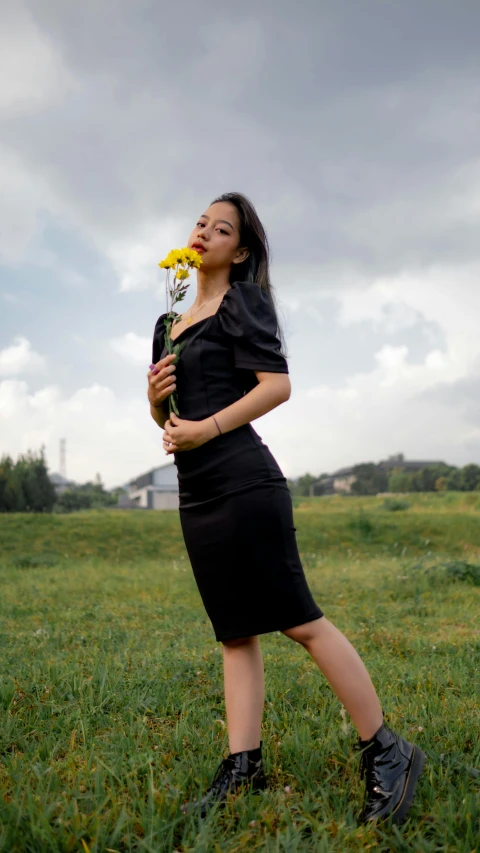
{"x":32,"y":73}
{"x":12,"y":298}
{"x":133,"y":348}
{"x":105,"y":434}
{"x":135,"y":260}
{"x":377,"y":413}
{"x":435,"y":359}
{"x":450,"y":298}
{"x":25,"y":195}
{"x":20,"y":358}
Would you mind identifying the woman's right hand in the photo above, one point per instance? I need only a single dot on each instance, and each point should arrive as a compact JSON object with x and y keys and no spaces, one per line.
{"x":161,"y":383}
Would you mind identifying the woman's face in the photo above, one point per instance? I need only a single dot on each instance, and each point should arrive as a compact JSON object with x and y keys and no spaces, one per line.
{"x":216,"y":237}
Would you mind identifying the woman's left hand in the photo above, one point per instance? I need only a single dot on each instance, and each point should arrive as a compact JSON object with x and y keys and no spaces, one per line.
{"x":182,"y":435}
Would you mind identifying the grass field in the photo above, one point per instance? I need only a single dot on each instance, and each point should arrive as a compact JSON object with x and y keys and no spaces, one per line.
{"x":111,"y":684}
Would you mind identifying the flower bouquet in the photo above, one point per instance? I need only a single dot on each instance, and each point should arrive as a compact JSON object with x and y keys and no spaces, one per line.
{"x":179,"y":262}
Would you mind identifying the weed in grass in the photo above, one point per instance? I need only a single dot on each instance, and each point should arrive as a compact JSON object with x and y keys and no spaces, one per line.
{"x":35,"y":561}
{"x":362,"y":525}
{"x":395,"y":505}
{"x":460,"y":570}
{"x":445,"y":571}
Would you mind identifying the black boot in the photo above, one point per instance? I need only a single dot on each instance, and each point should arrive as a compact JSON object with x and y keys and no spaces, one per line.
{"x":391,"y":767}
{"x":239,"y":770}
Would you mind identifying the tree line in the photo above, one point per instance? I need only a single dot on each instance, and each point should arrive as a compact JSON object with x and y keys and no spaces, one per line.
{"x":25,"y":486}
{"x":370,"y":479}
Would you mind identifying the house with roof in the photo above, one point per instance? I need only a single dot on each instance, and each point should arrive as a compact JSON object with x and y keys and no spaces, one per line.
{"x":60,"y":483}
{"x":341,"y":481}
{"x":155,"y":489}
{"x":409,"y":465}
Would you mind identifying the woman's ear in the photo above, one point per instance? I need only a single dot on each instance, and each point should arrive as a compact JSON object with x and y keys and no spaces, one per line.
{"x":242,"y":256}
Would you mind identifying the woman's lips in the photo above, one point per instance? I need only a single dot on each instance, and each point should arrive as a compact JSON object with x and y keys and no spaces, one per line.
{"x":198,"y":247}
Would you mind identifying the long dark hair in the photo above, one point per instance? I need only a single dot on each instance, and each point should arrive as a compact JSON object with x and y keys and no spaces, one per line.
{"x":256,"y":267}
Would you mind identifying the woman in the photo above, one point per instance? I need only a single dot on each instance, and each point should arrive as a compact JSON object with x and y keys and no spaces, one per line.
{"x":236,"y":510}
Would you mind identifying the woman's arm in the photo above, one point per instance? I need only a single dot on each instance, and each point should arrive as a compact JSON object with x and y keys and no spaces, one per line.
{"x":161,"y":383}
{"x":272,"y":390}
{"x":159,"y":414}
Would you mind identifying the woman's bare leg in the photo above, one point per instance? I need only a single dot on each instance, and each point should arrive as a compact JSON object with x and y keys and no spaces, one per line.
{"x":244,"y":692}
{"x":344,"y":670}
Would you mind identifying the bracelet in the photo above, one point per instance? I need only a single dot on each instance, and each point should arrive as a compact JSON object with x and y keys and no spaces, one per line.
{"x":219,"y":430}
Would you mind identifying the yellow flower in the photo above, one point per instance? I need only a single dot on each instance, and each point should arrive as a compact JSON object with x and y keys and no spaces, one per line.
{"x":192,"y":258}
{"x":181,"y":257}
{"x":178,"y":256}
{"x":182,"y":274}
{"x":196,"y":260}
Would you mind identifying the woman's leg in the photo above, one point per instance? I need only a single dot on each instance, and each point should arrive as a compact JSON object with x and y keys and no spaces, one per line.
{"x":244,"y":692}
{"x":345,"y":672}
{"x":391,"y":764}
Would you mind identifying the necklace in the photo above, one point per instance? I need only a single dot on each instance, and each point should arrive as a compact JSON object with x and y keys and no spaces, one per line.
{"x":188,"y":320}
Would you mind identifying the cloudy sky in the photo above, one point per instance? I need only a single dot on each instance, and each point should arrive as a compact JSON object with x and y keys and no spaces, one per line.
{"x":353,"y":125}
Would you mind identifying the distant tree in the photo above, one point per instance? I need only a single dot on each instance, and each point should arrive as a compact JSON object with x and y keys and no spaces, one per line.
{"x":320,"y":487}
{"x":400,"y":481}
{"x":25,"y":485}
{"x":6,"y":468}
{"x":13,"y":499}
{"x":45,"y":490}
{"x":369,"y":480}
{"x":119,"y":490}
{"x":305,"y":484}
{"x":38,"y":490}
{"x":425,"y":479}
{"x":470,"y":478}
{"x":454,"y":480}
{"x":292,"y":486}
{"x":85,"y":496}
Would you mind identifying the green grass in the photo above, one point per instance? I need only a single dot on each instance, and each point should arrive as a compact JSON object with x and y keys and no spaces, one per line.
{"x":111,"y":684}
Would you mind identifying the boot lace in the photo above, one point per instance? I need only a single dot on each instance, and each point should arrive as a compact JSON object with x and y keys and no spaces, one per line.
{"x":366,"y":764}
{"x":222,"y":779}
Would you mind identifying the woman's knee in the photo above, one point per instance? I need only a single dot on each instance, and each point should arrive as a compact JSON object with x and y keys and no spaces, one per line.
{"x":240,"y":642}
{"x":306,"y":633}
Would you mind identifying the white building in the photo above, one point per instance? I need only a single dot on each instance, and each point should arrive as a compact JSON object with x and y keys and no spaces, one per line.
{"x":343,"y":481}
{"x":157,"y":489}
{"x":61,"y":484}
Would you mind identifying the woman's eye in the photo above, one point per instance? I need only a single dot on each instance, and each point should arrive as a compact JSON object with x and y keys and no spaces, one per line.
{"x":200,"y":224}
{"x":222,"y":231}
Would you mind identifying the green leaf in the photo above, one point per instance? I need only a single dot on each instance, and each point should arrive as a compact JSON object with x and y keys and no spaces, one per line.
{"x":174,"y":404}
{"x":178,"y":348}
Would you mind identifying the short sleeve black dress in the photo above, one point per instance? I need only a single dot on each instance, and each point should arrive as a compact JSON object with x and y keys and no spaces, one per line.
{"x":235,"y":506}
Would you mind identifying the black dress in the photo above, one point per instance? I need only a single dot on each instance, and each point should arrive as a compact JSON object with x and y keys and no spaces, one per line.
{"x":235,"y":506}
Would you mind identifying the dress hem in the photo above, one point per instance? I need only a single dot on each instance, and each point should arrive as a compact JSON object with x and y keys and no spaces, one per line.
{"x":244,"y":634}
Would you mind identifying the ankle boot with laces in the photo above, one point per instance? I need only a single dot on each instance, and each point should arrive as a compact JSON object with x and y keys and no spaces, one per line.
{"x":240,"y":770}
{"x":391,"y":767}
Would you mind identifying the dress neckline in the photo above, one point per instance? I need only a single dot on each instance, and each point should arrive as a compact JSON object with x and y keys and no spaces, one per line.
{"x":204,"y":319}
